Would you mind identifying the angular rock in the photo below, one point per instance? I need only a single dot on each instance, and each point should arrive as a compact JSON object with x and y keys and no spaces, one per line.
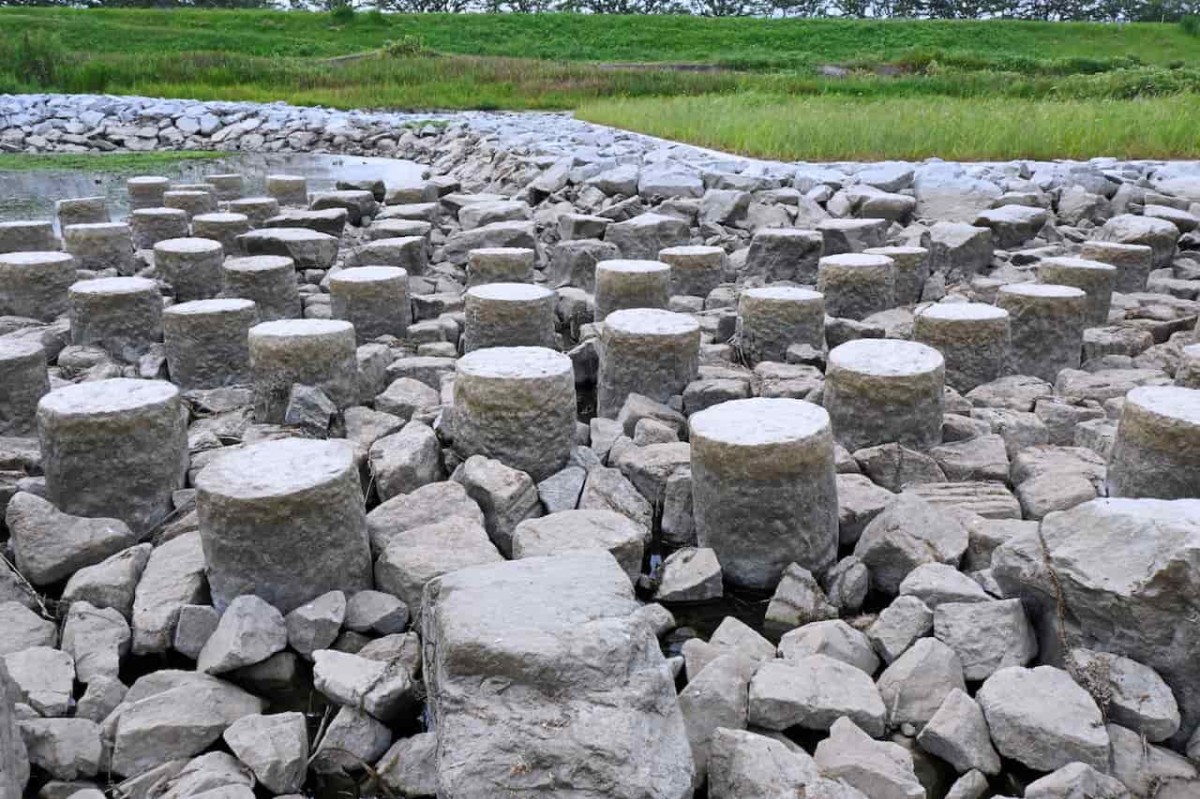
{"x":987,"y":636}
{"x":575,"y":530}
{"x":110,"y":583}
{"x":414,"y":557}
{"x":879,"y":769}
{"x":813,"y":692}
{"x":689,"y":575}
{"x":905,"y":535}
{"x":43,"y":678}
{"x":958,"y":734}
{"x":173,"y":577}
{"x":316,"y":624}
{"x":96,"y":639}
{"x":21,"y":628}
{"x":1137,"y":697}
{"x":914,"y":686}
{"x":833,"y":638}
{"x":798,"y":600}
{"x":51,"y":545}
{"x":250,"y":631}
{"x":384,"y":689}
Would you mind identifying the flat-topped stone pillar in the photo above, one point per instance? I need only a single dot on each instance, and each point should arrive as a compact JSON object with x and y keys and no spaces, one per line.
{"x":848,"y":235}
{"x":28,"y":236}
{"x":1187,"y":373}
{"x":268,"y":280}
{"x":500,"y":265}
{"x":153,"y":224}
{"x":114,"y":448}
{"x":696,"y":269}
{"x":372,"y":298}
{"x":81,"y":211}
{"x":1047,"y":323}
{"x":101,"y":245}
{"x":256,"y":209}
{"x":122,"y":315}
{"x":191,"y":201}
{"x":146,"y":191}
{"x":880,"y":391}
{"x":1156,"y":453}
{"x":645,"y":351}
{"x":288,"y":189}
{"x":192,"y":267}
{"x":910,"y":269}
{"x":622,"y":284}
{"x":856,"y":285}
{"x":517,"y":405}
{"x":1096,"y":279}
{"x":1134,"y":262}
{"x":764,"y":488}
{"x":35,"y":284}
{"x":228,"y":186}
{"x":207,"y":342}
{"x":973,"y":337}
{"x":773,"y":318}
{"x":221,"y":227}
{"x":509,"y":315}
{"x":23,"y":381}
{"x":284,"y":520}
{"x":311,"y":352}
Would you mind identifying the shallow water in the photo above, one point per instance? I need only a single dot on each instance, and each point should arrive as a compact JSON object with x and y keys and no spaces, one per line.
{"x":31,"y":194}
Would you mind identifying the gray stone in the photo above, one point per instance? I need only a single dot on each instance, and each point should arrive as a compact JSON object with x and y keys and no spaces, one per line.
{"x":561,"y":490}
{"x":96,"y":639}
{"x":43,"y":678}
{"x":110,"y":583}
{"x":173,"y":577}
{"x":21,"y":628}
{"x":859,"y":501}
{"x":879,"y":769}
{"x":376,"y":612}
{"x":1076,"y":781}
{"x":909,"y":532}
{"x":972,"y":785}
{"x":936,"y":584}
{"x":383,"y":688}
{"x":747,"y":765}
{"x":410,"y":766}
{"x":643,"y":236}
{"x":798,"y":600}
{"x":66,"y":749}
{"x":274,"y":747}
{"x":958,"y":734}
{"x":987,"y":636}
{"x":814,"y":692}
{"x":428,"y":504}
{"x":846,"y":584}
{"x":915,"y":684}
{"x":415,"y":556}
{"x":689,"y":575}
{"x":250,"y":631}
{"x":715,"y":698}
{"x":14,"y":759}
{"x":352,"y":739}
{"x":833,"y":638}
{"x":505,"y":495}
{"x":1137,"y":697}
{"x":1144,"y":768}
{"x":898,"y":626}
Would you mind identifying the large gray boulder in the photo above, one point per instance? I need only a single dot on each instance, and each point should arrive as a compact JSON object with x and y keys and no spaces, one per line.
{"x":14,"y":761}
{"x":51,"y":545}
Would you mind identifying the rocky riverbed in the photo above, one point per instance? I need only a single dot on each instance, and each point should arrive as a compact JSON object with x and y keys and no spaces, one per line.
{"x":578,"y":463}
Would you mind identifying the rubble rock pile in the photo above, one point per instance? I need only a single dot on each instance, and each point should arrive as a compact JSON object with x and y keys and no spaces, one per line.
{"x":434,"y":489}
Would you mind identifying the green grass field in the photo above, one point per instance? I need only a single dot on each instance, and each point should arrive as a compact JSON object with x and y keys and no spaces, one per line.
{"x":955,"y":89}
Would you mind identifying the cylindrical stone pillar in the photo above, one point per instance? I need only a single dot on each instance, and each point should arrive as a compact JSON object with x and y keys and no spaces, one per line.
{"x":224,"y":228}
{"x":1094,"y":278}
{"x":645,"y":351}
{"x":192,"y":267}
{"x":146,"y":191}
{"x":509,"y":315}
{"x":773,"y":318}
{"x":23,"y":381}
{"x":695,"y":269}
{"x":190,"y":201}
{"x":910,"y":268}
{"x":36,"y":236}
{"x":103,"y":245}
{"x":81,"y":211}
{"x":268,"y":280}
{"x":856,"y":285}
{"x":311,"y":352}
{"x":1047,"y":323}
{"x":500,"y":265}
{"x":973,"y":337}
{"x":228,"y":186}
{"x":284,"y":520}
{"x":764,"y":488}
{"x":517,"y":405}
{"x":256,"y":209}
{"x":151,"y":225}
{"x":288,"y":189}
{"x":1156,"y":453}
{"x":372,"y":298}
{"x":1134,"y":262}
{"x":122,"y":315}
{"x":880,"y":391}
{"x":35,"y":284}
{"x":207,"y":342}
{"x":114,"y":448}
{"x":1187,"y":373}
{"x":622,"y":284}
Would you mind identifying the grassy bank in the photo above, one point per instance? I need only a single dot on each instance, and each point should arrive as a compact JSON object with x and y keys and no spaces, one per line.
{"x":117,"y":163}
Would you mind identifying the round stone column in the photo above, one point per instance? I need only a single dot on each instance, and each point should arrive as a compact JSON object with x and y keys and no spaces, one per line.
{"x":695,"y":269}
{"x":23,"y":381}
{"x":880,"y":391}
{"x":1156,"y":453}
{"x":114,"y":448}
{"x":1187,"y":373}
{"x":151,"y":225}
{"x":35,"y":284}
{"x":288,"y":189}
{"x":856,"y":285}
{"x":122,"y":315}
{"x":268,"y":280}
{"x":517,"y":405}
{"x":103,"y":245}
{"x":622,"y":284}
{"x":227,"y":186}
{"x":191,"y":201}
{"x":221,"y":227}
{"x":500,"y":265}
{"x":910,"y":268}
{"x":509,"y":315}
{"x":645,"y":351}
{"x":207,"y":342}
{"x":284,"y":520}
{"x":1094,"y":278}
{"x":372,"y":298}
{"x":146,"y":191}
{"x":764,"y":488}
{"x":24,"y":236}
{"x":772,"y":318}
{"x":311,"y":352}
{"x":192,"y":267}
{"x":973,"y":337}
{"x":1047,"y":323}
{"x":82,"y":211}
{"x":1134,"y":262}
{"x":256,"y":209}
